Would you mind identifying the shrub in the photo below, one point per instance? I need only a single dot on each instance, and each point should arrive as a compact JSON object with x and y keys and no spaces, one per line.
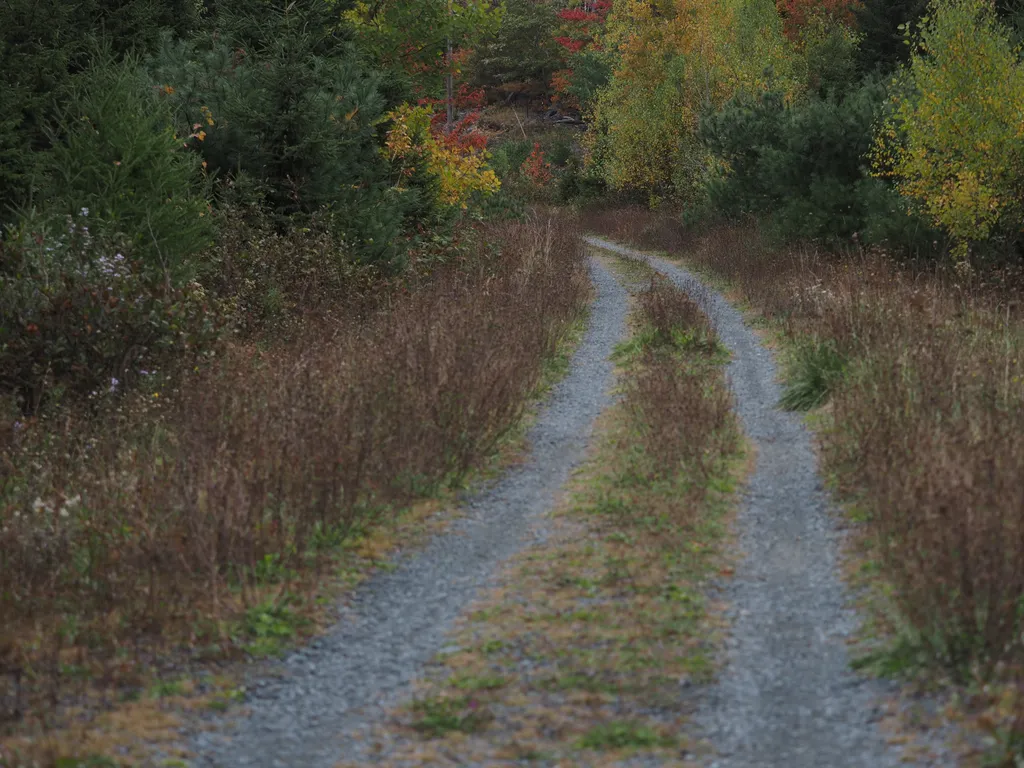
{"x":508,"y":157}
{"x":953,"y":144}
{"x":803,"y":166}
{"x":270,"y":284}
{"x":84,"y":315}
{"x":815,"y":370}
{"x":115,"y":155}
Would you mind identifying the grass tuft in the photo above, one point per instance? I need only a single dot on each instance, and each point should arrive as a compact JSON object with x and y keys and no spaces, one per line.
{"x":624,"y":735}
{"x":815,"y":370}
{"x":439,"y":716}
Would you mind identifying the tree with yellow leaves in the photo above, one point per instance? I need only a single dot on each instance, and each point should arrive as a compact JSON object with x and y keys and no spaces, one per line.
{"x":676,"y":60}
{"x":456,"y":162}
{"x":954,"y":143}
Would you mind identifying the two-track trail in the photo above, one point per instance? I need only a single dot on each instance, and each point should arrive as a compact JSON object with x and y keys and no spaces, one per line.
{"x":786,"y":695}
{"x":311,"y":714}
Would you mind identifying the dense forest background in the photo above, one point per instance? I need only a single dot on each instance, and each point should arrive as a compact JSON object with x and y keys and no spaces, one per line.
{"x":140,"y":136}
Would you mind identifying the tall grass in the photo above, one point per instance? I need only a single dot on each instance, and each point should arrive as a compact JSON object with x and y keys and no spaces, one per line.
{"x":160,"y":523}
{"x":683,"y":411}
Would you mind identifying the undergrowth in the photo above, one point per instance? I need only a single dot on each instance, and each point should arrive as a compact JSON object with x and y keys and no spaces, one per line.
{"x":201,"y":515}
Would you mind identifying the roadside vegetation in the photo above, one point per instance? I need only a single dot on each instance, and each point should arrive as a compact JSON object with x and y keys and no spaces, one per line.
{"x":913,"y":382}
{"x":202,"y":516}
{"x":586,"y":648}
{"x":251,"y":315}
{"x":273,"y":272}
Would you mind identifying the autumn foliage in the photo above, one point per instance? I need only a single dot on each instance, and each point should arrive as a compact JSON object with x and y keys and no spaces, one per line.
{"x":536,"y":168}
{"x":797,"y":14}
{"x":954,"y":143}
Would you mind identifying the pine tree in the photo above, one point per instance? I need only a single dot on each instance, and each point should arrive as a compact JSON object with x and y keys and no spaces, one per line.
{"x":43,"y":44}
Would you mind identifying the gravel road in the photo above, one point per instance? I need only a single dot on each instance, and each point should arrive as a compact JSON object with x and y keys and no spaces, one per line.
{"x":787,"y":696}
{"x":328,"y":693}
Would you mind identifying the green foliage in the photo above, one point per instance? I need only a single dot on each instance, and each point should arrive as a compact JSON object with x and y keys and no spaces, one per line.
{"x":954,"y":142}
{"x":884,"y":26}
{"x":674,"y":64}
{"x":591,"y":71}
{"x":115,"y":155}
{"x":508,"y":157}
{"x":408,"y":38}
{"x":829,"y":53}
{"x":297,"y":114}
{"x":43,"y":43}
{"x":814,"y":371}
{"x":522,"y":50}
{"x":270,"y":626}
{"x":803,"y":166}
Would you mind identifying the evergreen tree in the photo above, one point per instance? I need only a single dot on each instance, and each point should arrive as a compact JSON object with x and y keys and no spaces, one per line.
{"x":43,"y":45}
{"x":286,"y":101}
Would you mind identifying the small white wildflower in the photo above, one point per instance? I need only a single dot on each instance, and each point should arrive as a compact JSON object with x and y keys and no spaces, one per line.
{"x":114,"y":383}
{"x":64,"y":513}
{"x":83,"y":212}
{"x":39,"y":506}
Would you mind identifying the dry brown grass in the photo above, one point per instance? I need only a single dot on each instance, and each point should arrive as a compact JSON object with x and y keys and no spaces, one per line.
{"x":924,"y":429}
{"x":171,"y":524}
{"x":685,"y":423}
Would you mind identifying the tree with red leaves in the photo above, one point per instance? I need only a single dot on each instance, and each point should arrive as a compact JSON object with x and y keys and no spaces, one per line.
{"x":581,"y":25}
{"x":797,"y":14}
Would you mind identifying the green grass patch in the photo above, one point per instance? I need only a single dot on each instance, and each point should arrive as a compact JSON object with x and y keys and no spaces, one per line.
{"x":478,"y":682}
{"x":269,"y":628}
{"x":624,"y":735}
{"x":813,"y":372}
{"x":439,"y":716}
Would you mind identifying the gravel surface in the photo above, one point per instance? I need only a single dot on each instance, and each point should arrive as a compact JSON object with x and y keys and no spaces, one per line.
{"x":330,"y":692}
{"x":787,"y":696}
